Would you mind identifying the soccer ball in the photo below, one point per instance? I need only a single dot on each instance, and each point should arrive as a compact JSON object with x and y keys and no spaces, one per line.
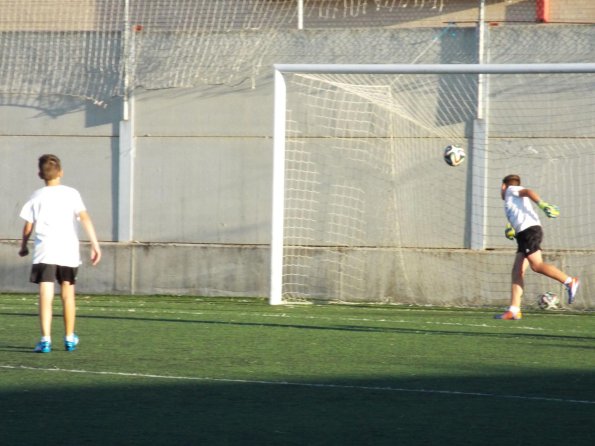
{"x":548,"y":301}
{"x":454,"y":155}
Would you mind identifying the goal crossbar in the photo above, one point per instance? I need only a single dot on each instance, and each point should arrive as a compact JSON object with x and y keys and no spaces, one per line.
{"x":437,"y":68}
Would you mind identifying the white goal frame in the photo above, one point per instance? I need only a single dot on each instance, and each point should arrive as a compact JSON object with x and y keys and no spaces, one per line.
{"x":279,"y":135}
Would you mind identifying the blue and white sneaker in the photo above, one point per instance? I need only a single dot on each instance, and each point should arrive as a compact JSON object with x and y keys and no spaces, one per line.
{"x":43,"y":347}
{"x":70,"y":346}
{"x":572,"y":289}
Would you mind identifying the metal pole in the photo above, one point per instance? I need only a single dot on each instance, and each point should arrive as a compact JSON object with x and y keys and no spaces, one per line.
{"x":126,"y":141}
{"x":300,"y":14}
{"x":438,"y":68}
{"x":478,"y":174}
{"x":278,"y":211}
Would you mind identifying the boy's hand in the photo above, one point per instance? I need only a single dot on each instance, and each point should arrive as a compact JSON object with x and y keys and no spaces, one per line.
{"x":509,"y":232}
{"x":24,"y":251}
{"x":552,"y":211}
{"x":95,"y":255}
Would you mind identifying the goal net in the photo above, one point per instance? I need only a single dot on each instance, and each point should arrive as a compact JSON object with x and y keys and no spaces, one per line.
{"x":100,"y":49}
{"x":366,"y":209}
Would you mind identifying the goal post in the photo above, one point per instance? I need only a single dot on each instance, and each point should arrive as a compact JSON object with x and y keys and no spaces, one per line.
{"x":276,"y":282}
{"x":351,"y":140}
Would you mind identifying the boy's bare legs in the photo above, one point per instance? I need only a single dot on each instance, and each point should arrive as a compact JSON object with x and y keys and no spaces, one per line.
{"x":46,"y":299}
{"x":69,"y":305}
{"x":537,"y":264}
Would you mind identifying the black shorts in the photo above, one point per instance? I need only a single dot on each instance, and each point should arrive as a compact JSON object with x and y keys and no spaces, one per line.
{"x":42,"y":272}
{"x":529,"y":240}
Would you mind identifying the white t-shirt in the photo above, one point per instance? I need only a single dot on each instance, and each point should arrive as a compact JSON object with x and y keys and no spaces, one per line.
{"x":54,"y":210}
{"x":519,"y":210}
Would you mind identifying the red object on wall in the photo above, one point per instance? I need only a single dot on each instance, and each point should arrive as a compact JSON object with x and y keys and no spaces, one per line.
{"x":543,"y":11}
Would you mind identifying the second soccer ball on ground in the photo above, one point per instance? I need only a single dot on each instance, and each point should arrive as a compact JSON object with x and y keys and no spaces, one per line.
{"x":548,"y":301}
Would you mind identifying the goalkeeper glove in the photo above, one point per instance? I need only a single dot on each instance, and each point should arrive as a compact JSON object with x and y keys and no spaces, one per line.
{"x":509,"y":232}
{"x":550,"y":210}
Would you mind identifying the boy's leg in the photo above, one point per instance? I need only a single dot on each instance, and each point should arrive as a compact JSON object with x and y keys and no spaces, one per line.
{"x":46,"y":298}
{"x":518,"y":279}
{"x":68,"y":302}
{"x":539,"y":266}
{"x":516,"y":293}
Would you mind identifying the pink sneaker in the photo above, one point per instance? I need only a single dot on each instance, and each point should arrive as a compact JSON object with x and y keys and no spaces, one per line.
{"x":572,"y":289}
{"x":509,"y":316}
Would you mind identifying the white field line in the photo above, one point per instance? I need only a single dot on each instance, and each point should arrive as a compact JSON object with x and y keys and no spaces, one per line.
{"x":298,"y":384}
{"x":515,"y":324}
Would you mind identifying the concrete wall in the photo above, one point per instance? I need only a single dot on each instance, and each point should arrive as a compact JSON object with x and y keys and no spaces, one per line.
{"x":404,"y":276}
{"x":202,"y":204}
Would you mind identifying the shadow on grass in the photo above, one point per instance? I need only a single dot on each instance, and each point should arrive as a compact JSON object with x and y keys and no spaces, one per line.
{"x":91,"y":409}
{"x":337,"y":327}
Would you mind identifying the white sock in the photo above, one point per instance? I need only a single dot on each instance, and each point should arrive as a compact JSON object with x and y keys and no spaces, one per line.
{"x":70,"y":338}
{"x":46,"y":339}
{"x":513,"y":309}
{"x":568,"y":280}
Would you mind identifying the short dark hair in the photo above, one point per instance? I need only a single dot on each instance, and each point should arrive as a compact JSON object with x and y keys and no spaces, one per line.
{"x":512,"y":180}
{"x":49,"y":167}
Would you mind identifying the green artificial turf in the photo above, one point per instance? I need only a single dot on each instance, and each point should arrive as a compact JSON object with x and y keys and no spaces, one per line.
{"x":215,"y":371}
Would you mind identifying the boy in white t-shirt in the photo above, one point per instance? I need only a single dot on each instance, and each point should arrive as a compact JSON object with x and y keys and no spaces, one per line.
{"x":525,"y":226}
{"x":54,"y":212}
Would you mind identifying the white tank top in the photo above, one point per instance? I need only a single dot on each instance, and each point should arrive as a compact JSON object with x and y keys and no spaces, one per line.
{"x":54,"y":210}
{"x":519,"y":210}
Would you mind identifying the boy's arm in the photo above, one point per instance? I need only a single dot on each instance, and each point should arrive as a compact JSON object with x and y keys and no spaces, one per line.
{"x":534,"y":196}
{"x":87,"y":224}
{"x":550,"y":210}
{"x":27,"y":231}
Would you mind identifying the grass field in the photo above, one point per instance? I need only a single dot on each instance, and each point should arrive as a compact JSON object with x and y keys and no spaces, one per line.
{"x":205,"y":371}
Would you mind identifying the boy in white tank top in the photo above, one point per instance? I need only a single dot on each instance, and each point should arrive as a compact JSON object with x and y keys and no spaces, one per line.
{"x":54,"y":211}
{"x":525,"y":226}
